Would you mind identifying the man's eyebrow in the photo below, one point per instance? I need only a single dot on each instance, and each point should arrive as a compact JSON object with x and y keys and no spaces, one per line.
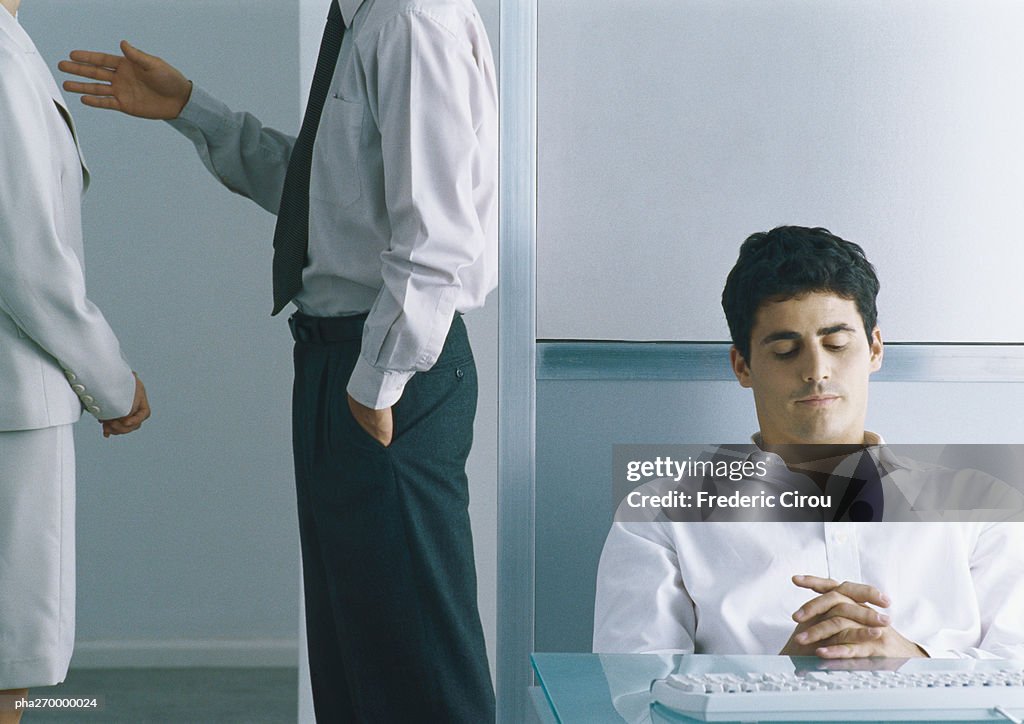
{"x":776,"y":336}
{"x":822,"y":332}
{"x":841,"y":327}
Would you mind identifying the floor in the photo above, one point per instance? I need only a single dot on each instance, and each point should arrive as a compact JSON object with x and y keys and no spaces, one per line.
{"x":253,"y":696}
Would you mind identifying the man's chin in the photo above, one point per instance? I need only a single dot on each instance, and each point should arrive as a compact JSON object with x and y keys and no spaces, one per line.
{"x":824,"y":434}
{"x":829,"y":440}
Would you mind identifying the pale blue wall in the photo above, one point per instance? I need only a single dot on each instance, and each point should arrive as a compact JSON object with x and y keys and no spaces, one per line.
{"x":186,"y":529}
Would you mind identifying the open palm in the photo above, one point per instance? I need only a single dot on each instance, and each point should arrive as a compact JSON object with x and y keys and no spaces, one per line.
{"x":136,"y":83}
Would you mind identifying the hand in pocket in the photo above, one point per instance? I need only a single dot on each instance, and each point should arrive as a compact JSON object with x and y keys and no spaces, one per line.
{"x":378,"y":424}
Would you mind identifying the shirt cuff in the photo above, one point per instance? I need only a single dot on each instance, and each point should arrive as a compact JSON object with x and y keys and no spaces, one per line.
{"x":376,"y":388}
{"x":937,"y":653}
{"x":204,"y":112}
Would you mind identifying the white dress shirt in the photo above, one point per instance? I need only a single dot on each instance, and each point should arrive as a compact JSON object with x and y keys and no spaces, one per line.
{"x":403,"y":189}
{"x":957,"y":588}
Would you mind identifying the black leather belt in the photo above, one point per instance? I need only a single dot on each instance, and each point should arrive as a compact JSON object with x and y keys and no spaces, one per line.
{"x":326,"y":330}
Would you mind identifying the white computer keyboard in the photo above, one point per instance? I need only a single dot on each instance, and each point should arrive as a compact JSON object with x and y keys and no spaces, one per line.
{"x":846,"y":696}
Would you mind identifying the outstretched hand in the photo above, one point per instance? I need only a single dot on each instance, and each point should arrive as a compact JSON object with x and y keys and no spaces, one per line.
{"x":136,"y":83}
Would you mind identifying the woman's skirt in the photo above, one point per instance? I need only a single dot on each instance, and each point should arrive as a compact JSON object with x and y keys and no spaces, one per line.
{"x":37,"y":556}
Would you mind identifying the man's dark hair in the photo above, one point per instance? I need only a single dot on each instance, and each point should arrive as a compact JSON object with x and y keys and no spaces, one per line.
{"x":791,"y":261}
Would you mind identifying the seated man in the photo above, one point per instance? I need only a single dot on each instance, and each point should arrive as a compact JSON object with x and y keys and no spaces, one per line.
{"x":800,"y":304}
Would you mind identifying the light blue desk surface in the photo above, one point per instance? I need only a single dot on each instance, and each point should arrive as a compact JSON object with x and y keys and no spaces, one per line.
{"x":614,"y":688}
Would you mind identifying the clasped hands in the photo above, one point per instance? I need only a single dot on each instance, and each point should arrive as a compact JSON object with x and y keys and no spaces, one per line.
{"x":136,"y":416}
{"x":839,"y":623}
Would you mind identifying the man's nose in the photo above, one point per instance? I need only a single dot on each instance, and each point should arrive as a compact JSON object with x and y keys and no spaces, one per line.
{"x":816,"y":365}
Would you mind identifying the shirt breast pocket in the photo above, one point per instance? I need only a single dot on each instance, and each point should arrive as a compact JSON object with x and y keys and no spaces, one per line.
{"x":335,"y":175}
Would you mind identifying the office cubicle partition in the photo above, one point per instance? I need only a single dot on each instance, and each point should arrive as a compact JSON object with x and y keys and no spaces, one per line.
{"x":516,"y":356}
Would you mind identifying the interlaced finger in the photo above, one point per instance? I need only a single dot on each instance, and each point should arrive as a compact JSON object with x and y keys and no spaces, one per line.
{"x":864,"y":615}
{"x":863,"y":593}
{"x":860,"y":592}
{"x":824,"y":630}
{"x":847,"y":651}
{"x":820,"y":605}
{"x":816,"y":583}
{"x":838,"y":627}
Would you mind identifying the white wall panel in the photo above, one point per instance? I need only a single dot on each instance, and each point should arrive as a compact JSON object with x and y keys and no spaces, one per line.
{"x":669,"y":130}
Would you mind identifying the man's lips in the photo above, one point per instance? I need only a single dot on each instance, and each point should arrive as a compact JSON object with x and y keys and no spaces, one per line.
{"x":818,"y":400}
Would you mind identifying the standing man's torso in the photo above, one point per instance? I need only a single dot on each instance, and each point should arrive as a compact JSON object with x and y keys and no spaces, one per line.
{"x":367,"y":163}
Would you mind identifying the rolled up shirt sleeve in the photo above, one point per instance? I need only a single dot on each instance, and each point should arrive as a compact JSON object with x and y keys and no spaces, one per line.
{"x":243,"y":154}
{"x":430,"y":93}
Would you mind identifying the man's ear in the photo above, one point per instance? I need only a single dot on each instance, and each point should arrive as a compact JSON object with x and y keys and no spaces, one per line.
{"x":740,"y":368}
{"x":877,"y":350}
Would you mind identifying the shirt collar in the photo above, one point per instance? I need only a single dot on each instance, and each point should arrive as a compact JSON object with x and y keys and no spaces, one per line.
{"x":874,"y":445}
{"x":871,"y":439}
{"x":348,"y":10}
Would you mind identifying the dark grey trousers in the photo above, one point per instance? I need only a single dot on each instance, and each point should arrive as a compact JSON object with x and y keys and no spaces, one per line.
{"x":390,"y":586}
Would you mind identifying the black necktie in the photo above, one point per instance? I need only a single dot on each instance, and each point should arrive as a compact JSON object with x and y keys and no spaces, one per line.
{"x":291,"y":237}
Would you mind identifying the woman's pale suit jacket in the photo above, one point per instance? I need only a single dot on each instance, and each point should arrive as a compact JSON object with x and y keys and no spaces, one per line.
{"x":58,"y":355}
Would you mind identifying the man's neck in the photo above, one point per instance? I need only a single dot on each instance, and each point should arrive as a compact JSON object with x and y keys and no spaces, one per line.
{"x":796,"y":453}
{"x":11,"y":6}
{"x":808,"y":455}
{"x":817,"y":461}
